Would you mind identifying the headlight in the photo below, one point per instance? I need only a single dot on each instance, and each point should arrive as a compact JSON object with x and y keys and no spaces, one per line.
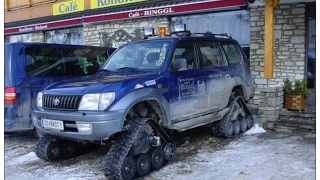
{"x":96,"y":101}
{"x":39,"y":99}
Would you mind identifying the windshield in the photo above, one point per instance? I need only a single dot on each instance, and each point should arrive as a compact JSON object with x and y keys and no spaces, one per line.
{"x":149,"y":55}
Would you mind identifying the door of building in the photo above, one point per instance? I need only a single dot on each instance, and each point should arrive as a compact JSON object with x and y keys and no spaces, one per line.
{"x":311,"y":54}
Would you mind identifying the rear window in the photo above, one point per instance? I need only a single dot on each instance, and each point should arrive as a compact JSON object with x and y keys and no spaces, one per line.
{"x":51,"y":61}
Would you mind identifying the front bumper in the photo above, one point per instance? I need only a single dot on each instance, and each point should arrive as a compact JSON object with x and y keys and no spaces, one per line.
{"x":103,"y":124}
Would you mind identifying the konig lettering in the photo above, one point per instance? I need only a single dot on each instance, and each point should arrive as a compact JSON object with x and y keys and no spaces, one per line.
{"x":108,"y":3}
{"x":151,"y":12}
{"x":68,"y":7}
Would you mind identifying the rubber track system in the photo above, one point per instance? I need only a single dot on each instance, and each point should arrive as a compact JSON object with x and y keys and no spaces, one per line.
{"x":42,"y":148}
{"x":219,"y":127}
{"x":120,"y":148}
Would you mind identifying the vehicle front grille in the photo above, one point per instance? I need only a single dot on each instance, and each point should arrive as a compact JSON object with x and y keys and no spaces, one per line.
{"x":61,"y":102}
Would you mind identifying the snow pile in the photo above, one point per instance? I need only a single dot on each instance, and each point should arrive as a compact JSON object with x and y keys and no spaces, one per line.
{"x":31,"y":156}
{"x":255,"y":130}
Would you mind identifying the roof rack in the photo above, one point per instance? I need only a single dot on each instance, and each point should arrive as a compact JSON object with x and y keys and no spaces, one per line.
{"x":188,"y":33}
{"x":210,"y":34}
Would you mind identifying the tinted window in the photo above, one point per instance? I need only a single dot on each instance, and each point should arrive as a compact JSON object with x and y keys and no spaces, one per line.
{"x":47,"y":61}
{"x":232,"y":52}
{"x":185,"y":49}
{"x":210,"y":54}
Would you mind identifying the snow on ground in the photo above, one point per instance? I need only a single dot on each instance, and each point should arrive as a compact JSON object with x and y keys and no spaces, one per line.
{"x":253,"y":156}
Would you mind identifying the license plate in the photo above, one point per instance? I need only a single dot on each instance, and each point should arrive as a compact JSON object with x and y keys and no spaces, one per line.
{"x":52,"y":124}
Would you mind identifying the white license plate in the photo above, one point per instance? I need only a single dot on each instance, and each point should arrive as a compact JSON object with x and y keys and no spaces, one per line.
{"x":52,"y":124}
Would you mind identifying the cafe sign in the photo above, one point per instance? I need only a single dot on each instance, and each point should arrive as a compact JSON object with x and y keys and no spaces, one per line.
{"x":95,"y":4}
{"x":68,"y":7}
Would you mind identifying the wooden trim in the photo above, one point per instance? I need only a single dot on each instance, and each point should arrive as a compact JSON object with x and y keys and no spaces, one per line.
{"x":269,"y":38}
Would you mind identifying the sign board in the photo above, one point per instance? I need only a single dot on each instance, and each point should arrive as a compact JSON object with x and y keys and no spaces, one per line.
{"x":95,"y":4}
{"x":68,"y":7}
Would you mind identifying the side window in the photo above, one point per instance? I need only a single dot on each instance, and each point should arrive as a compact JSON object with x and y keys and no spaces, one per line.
{"x":232,"y":52}
{"x":210,"y":54}
{"x":52,"y":61}
{"x":185,"y":50}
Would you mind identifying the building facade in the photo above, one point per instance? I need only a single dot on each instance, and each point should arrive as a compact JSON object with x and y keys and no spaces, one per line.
{"x":113,"y":23}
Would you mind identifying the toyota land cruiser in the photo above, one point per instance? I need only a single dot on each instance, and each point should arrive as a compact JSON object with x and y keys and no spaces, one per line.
{"x":146,"y":88}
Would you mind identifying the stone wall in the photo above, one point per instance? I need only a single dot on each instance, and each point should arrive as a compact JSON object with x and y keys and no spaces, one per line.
{"x":270,"y":105}
{"x":111,"y":33}
{"x":289,"y":57}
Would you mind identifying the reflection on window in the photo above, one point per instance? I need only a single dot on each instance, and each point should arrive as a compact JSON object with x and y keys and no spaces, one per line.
{"x":65,"y":36}
{"x":211,"y":55}
{"x":48,"y":61}
{"x":232,"y":53}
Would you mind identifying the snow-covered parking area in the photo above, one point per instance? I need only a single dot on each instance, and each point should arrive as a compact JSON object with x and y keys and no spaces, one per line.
{"x":201,"y":156}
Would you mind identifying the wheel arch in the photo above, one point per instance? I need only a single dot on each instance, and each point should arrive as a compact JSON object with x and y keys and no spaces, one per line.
{"x":149,"y":98}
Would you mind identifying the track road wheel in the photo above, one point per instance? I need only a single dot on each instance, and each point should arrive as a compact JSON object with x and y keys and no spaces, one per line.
{"x":236,"y":127}
{"x":49,"y":148}
{"x":143,"y":164}
{"x":157,"y":158}
{"x":128,"y":168}
{"x":250,"y":121}
{"x":70,"y":149}
{"x":169,"y":152}
{"x":228,"y":129}
{"x":243,"y":125}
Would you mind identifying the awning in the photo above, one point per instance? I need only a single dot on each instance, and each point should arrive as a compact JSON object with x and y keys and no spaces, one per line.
{"x":162,"y":8}
{"x":168,"y":9}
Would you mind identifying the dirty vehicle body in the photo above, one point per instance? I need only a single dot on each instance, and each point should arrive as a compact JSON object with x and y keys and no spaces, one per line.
{"x":145,"y":89}
{"x":29,"y":67}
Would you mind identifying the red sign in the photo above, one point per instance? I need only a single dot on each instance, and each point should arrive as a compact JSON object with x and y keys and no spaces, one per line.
{"x":166,"y":10}
{"x":43,"y":26}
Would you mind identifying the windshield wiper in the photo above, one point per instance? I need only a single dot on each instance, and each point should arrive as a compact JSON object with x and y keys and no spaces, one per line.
{"x":129,"y":68}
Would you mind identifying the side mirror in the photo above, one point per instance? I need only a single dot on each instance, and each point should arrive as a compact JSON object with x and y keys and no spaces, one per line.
{"x":179,"y":64}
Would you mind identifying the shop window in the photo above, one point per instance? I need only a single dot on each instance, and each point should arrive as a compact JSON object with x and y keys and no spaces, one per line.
{"x":65,"y":36}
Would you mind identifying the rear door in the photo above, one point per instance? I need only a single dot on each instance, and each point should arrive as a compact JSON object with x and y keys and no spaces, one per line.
{"x":219,"y":82}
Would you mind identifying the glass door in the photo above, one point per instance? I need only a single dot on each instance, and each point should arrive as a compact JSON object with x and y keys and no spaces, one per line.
{"x":311,"y":60}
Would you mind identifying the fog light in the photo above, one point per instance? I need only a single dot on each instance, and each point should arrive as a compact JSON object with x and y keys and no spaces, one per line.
{"x":148,"y":31}
{"x":179,"y":27}
{"x":84,"y":126}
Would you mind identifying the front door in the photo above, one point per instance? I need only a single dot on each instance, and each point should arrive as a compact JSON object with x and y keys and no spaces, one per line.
{"x":187,"y":95}
{"x":311,"y":56}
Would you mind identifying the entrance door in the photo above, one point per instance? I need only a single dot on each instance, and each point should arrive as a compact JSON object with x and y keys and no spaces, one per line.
{"x":311,"y":60}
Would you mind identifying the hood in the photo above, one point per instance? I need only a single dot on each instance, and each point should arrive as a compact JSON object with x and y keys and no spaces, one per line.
{"x":90,"y":84}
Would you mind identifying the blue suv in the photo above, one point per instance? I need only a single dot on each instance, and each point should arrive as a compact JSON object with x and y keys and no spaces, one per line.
{"x":145,"y":89}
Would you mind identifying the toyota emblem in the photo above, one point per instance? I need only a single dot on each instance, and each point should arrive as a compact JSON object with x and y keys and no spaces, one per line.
{"x":56,"y":102}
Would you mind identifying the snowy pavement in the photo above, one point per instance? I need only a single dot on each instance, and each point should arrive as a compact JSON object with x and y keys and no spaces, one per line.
{"x":258,"y":155}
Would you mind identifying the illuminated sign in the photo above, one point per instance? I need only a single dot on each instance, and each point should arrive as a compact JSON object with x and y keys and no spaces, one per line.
{"x":108,"y":3}
{"x":68,"y":7}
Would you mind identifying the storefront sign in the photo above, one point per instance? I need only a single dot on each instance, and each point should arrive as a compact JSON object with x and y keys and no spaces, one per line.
{"x":166,"y":10}
{"x":108,"y":3}
{"x":68,"y":7}
{"x":43,"y":26}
